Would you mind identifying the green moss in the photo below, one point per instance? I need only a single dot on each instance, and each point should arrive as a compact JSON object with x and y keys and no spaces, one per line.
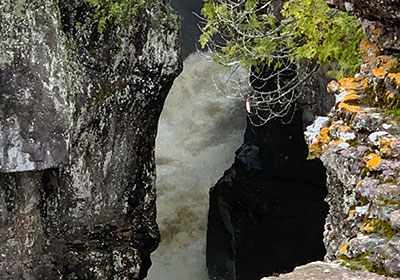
{"x":311,"y":157}
{"x":383,"y":227}
{"x":394,"y":112}
{"x":115,"y":11}
{"x":390,"y":202}
{"x":361,"y":262}
{"x":107,"y":90}
{"x":353,"y":142}
{"x":364,"y":172}
{"x":395,"y":70}
{"x":104,"y":92}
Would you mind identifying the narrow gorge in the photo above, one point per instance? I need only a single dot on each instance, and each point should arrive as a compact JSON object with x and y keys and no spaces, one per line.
{"x":128,"y":154}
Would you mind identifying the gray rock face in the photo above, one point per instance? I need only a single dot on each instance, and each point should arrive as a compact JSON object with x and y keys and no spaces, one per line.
{"x":95,"y":101}
{"x":387,"y":11}
{"x":326,"y":271}
{"x":33,"y":105}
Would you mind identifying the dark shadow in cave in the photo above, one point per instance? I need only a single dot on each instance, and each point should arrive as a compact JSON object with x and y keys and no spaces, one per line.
{"x":267,"y":212}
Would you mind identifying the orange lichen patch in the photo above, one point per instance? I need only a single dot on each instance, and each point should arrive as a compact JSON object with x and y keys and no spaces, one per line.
{"x":359,"y":182}
{"x":352,"y":213}
{"x":322,"y":141}
{"x":389,"y":95}
{"x":351,"y":84}
{"x":387,"y":142}
{"x":379,"y":72}
{"x":337,"y":142}
{"x":344,"y":128}
{"x":394,"y":77}
{"x":375,"y":30}
{"x":332,"y":86}
{"x":386,"y":145}
{"x":368,"y":228}
{"x":385,"y":151}
{"x":384,"y":64}
{"x":350,"y":103}
{"x":344,"y":248}
{"x":373,"y":160}
{"x":126,"y":235}
{"x":368,"y":50}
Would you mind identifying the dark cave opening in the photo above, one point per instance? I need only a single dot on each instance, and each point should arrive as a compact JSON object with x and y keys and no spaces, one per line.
{"x":267,"y":213}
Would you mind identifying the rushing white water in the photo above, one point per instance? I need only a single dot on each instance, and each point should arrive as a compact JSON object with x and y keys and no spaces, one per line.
{"x":199,"y":130}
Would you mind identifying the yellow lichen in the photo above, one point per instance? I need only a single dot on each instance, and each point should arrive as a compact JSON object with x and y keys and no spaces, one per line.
{"x":344,"y":128}
{"x":386,"y":145}
{"x":321,"y":143}
{"x":394,"y":77}
{"x":343,"y":249}
{"x":359,"y":182}
{"x":387,"y":142}
{"x":337,"y":142}
{"x":368,"y":228}
{"x":332,"y":86}
{"x":349,"y":103}
{"x":353,"y":84}
{"x":389,"y":95}
{"x":368,"y":50}
{"x":373,"y":161}
{"x":383,"y":65}
{"x":379,"y":72}
{"x":352,"y":213}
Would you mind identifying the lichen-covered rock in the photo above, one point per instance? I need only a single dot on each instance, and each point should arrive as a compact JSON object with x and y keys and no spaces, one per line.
{"x":358,"y":144}
{"x":33,"y":97}
{"x":93,"y":215}
{"x":326,"y":271}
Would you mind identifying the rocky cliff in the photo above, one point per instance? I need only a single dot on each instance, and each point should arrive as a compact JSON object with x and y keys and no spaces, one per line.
{"x":358,"y":143}
{"x":79,"y":112}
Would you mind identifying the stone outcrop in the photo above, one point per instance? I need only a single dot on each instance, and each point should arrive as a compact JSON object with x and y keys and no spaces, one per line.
{"x":79,"y":113}
{"x":326,"y":271}
{"x":358,"y":143}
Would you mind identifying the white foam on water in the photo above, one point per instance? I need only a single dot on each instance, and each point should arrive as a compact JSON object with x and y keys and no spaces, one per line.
{"x":199,"y":131}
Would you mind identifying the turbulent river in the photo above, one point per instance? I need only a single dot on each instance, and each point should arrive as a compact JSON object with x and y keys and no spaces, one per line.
{"x":199,"y":130}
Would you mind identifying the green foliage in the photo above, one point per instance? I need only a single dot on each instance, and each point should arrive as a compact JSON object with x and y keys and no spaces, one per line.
{"x":328,"y":35}
{"x":309,"y":29}
{"x":115,"y":11}
{"x":245,"y":30}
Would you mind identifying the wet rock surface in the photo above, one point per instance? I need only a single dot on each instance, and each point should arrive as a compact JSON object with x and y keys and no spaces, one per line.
{"x":94,"y":100}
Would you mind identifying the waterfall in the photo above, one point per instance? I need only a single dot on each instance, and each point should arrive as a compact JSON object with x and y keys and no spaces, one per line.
{"x":199,"y":130}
